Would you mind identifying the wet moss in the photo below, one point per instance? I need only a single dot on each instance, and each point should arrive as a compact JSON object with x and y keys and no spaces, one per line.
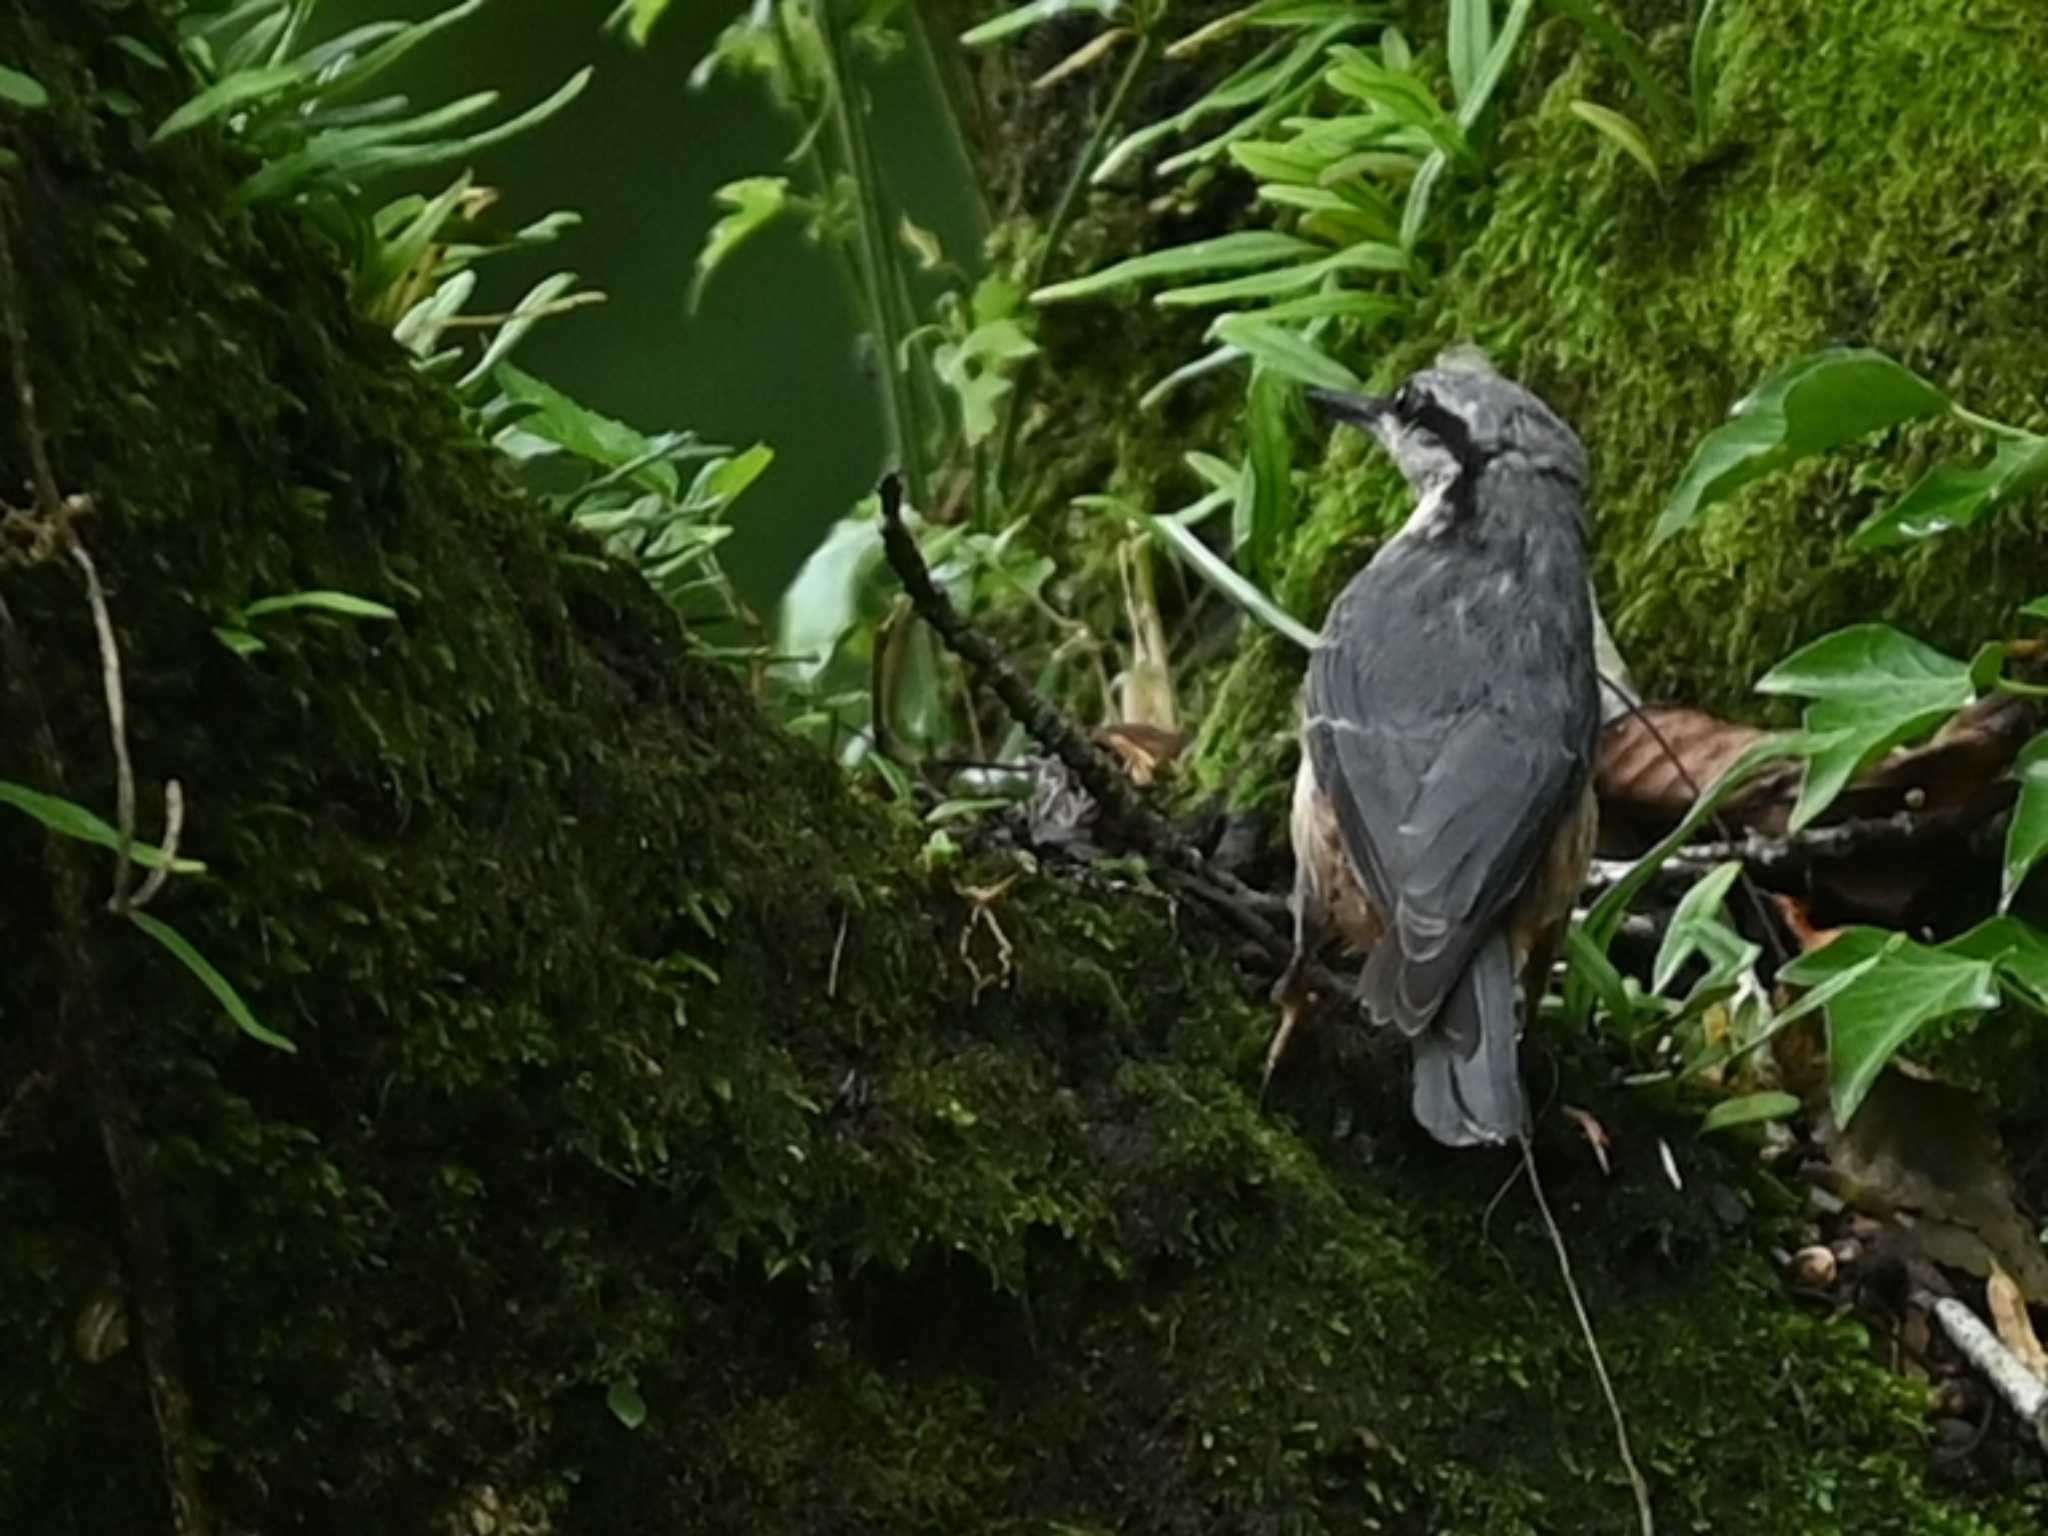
{"x":1867,"y":182}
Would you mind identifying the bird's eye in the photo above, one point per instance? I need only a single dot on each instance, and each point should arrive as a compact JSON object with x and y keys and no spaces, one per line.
{"x":1407,"y":400}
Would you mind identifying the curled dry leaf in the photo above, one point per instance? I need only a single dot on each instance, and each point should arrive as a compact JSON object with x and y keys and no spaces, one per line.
{"x":1651,"y":763}
{"x":2015,"y":1327}
{"x":1145,"y":751}
{"x":1594,"y":1132}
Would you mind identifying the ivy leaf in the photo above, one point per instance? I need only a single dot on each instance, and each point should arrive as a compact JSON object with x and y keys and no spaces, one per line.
{"x":1908,"y":986}
{"x":1872,"y":688}
{"x":2018,"y":949}
{"x":755,"y":201}
{"x":1823,"y":399}
{"x":1956,"y":495}
{"x":2027,"y":837}
{"x":1748,"y":1110}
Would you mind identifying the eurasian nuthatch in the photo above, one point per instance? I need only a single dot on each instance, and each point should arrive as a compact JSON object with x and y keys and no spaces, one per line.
{"x":1443,"y":812}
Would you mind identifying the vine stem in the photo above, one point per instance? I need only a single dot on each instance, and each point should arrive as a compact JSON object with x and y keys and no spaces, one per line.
{"x":1062,"y":215}
{"x":850,"y":127}
{"x":1641,"y":1489}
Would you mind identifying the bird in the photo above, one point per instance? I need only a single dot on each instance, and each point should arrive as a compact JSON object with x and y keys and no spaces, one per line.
{"x":1443,"y":812}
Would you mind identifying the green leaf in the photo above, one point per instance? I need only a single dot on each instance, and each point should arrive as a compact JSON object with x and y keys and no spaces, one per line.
{"x":1365,"y":256}
{"x":1269,"y":460}
{"x":1025,"y":16}
{"x":225,"y":96}
{"x":1318,"y":306}
{"x":2027,"y":837}
{"x":343,"y":157}
{"x":1698,"y":909}
{"x":1873,"y":688}
{"x":1284,"y":351}
{"x":1824,"y":399}
{"x":627,"y":1405}
{"x":139,"y":51}
{"x":638,"y":17}
{"x":68,"y":818}
{"x":755,"y":202}
{"x":1471,"y":38}
{"x":1593,"y":977}
{"x":1223,"y":253}
{"x":839,"y":589}
{"x":577,"y":429}
{"x":2017,"y":948}
{"x":240,"y":641}
{"x":1619,"y":130}
{"x":22,"y":90}
{"x":1606,"y":914}
{"x":725,"y":480}
{"x":1629,"y":52}
{"x":1749,"y":1110}
{"x":346,"y":604}
{"x":1955,"y":495}
{"x":222,"y":989}
{"x":975,"y":370}
{"x":1704,"y":69}
{"x":1495,"y":65}
{"x":1908,"y":987}
{"x":1211,"y":567}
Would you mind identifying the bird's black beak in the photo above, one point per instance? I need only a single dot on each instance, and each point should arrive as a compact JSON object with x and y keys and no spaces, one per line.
{"x":1362,"y":411}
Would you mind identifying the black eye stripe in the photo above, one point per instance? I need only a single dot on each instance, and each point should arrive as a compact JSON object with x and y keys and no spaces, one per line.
{"x":1446,"y":427}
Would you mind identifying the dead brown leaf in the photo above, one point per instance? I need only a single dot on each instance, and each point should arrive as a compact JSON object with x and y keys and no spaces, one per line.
{"x":2015,"y":1327}
{"x":1594,"y":1132}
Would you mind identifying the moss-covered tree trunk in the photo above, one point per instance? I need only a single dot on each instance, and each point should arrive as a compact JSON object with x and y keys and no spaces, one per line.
{"x":642,"y":1068}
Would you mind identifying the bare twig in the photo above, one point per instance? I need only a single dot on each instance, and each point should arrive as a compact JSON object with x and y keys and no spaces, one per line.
{"x":1138,"y":826}
{"x":117,"y":729}
{"x":174,"y":824}
{"x":1641,"y":1489}
{"x":838,"y":950}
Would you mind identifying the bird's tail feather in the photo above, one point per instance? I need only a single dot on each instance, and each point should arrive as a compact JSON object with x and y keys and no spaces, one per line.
{"x":1467,"y":1099}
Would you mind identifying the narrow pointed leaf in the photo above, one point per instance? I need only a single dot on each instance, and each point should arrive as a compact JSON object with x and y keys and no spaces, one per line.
{"x":1750,"y":1109}
{"x":222,"y":989}
{"x":70,"y":819}
{"x":1223,"y":253}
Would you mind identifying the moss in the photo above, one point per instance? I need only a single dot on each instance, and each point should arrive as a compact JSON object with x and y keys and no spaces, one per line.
{"x":1867,"y":183}
{"x":633,"y":1047}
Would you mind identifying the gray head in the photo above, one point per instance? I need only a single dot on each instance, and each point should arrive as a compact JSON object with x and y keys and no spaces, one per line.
{"x":1450,"y":422}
